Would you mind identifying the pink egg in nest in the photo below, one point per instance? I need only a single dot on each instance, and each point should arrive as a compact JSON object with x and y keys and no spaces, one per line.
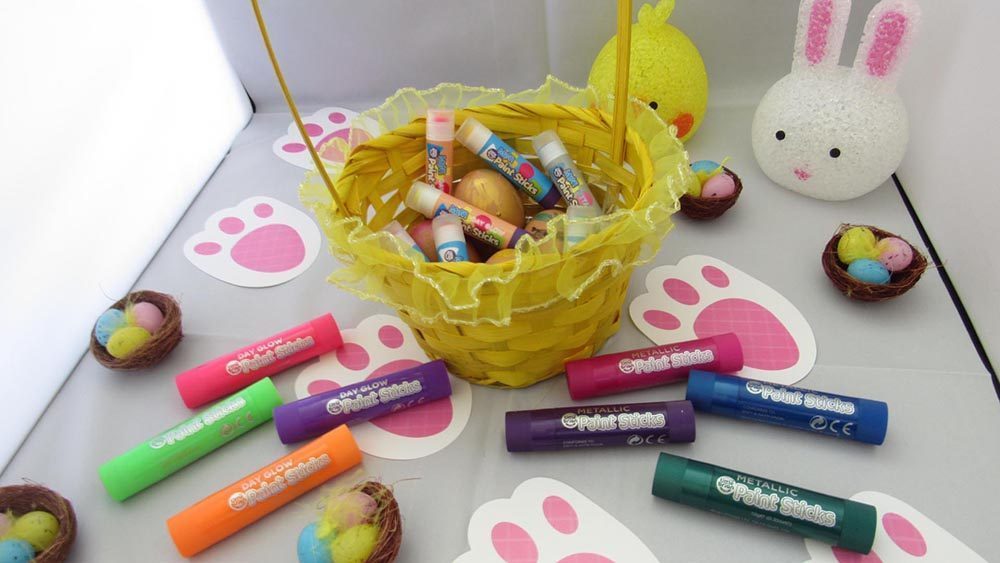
{"x":718,"y":186}
{"x":145,"y":315}
{"x":894,"y":253}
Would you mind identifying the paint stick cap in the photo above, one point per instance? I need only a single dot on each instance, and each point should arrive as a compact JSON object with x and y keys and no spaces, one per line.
{"x":673,"y":481}
{"x":858,"y":527}
{"x":873,"y":421}
{"x":422,"y":198}
{"x":517,"y":429}
{"x":327,"y":332}
{"x":440,"y":124}
{"x":548,"y":146}
{"x":680,"y":420}
{"x":730,"y":352}
{"x":473,"y":135}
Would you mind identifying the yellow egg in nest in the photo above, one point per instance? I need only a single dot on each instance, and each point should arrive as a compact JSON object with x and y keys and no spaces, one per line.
{"x":666,"y":70}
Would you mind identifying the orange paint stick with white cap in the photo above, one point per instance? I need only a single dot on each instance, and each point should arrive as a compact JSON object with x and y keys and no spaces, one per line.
{"x":260,"y":493}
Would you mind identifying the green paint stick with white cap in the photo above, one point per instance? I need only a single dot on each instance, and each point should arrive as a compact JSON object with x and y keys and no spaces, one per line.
{"x":174,"y":449}
{"x":841,"y":522}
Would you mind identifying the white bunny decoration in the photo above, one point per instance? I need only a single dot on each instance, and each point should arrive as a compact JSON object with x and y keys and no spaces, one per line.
{"x":829,"y":131}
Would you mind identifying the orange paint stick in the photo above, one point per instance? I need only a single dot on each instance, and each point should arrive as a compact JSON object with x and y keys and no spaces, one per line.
{"x":260,"y":493}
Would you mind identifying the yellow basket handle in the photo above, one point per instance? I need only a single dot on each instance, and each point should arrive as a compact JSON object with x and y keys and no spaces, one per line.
{"x":618,"y":124}
{"x":618,"y":121}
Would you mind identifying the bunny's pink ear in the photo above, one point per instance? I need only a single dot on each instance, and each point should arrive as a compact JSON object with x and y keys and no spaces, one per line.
{"x":820,"y":33}
{"x":891,"y":27}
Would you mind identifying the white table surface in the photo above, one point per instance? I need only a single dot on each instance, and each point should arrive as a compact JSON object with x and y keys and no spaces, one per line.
{"x":912,"y":352}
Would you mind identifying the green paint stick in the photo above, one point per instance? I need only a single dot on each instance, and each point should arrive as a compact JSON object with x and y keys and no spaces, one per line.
{"x":174,"y":449}
{"x":840,"y":522}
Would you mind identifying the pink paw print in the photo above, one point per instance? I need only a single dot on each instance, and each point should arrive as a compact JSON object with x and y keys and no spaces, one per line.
{"x":333,"y":131}
{"x":381,"y":345}
{"x":545,"y":520}
{"x":703,"y":296}
{"x":259,"y":243}
{"x":904,"y":535}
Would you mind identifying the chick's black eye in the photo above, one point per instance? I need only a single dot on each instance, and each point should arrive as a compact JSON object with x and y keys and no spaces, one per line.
{"x":780,"y":135}
{"x":834,"y":153}
{"x":654,"y":105}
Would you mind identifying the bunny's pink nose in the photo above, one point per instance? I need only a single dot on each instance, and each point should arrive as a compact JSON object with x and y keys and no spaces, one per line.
{"x":802,"y":174}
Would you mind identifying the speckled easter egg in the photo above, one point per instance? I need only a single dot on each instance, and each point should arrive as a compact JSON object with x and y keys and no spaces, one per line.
{"x":311,"y":549}
{"x":869,"y":271}
{"x":354,"y":545}
{"x":16,"y":551}
{"x":146,"y":315}
{"x":351,"y":509}
{"x":491,"y":192}
{"x":39,"y":528}
{"x":125,"y":341}
{"x":109,"y":321}
{"x":718,"y":187}
{"x":538,"y":226}
{"x":894,"y":253}
{"x":856,"y":243}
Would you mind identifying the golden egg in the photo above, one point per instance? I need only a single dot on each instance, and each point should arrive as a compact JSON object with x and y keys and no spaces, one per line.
{"x":491,"y":192}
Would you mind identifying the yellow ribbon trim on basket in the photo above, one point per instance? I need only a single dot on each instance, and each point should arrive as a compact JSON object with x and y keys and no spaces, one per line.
{"x":374,"y":180}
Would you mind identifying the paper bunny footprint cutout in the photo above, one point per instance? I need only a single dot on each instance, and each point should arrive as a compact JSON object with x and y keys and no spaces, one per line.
{"x":260,"y":242}
{"x":333,"y":131}
{"x":829,"y":131}
{"x":703,"y":296}
{"x":548,"y":521}
{"x":380,"y":345}
{"x":904,"y":535}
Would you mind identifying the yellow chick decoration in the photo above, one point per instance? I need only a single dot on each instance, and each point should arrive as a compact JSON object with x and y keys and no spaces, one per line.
{"x":665,"y":71}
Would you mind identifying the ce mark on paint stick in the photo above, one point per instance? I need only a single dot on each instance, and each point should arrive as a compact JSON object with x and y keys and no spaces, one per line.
{"x":836,"y":426}
{"x":637,"y":440}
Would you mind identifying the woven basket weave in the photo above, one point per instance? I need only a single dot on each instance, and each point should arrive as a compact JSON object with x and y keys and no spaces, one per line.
{"x":515,"y":323}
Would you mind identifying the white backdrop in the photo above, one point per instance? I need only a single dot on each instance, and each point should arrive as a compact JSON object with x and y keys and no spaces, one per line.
{"x":112,"y":116}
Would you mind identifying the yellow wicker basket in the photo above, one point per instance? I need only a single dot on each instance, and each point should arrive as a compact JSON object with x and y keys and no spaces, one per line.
{"x":515,"y":323}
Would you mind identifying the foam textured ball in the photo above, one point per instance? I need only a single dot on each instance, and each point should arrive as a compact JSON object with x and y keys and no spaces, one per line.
{"x":869,"y":271}
{"x":16,"y":551}
{"x":311,"y":549}
{"x":894,"y":253}
{"x":490,"y":191}
{"x":354,"y":545}
{"x":833,"y":132}
{"x":39,"y":528}
{"x":857,"y":243}
{"x":125,"y":341}
{"x":666,"y":70}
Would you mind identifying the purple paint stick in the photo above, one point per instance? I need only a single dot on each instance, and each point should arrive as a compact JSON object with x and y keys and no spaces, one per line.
{"x":635,"y":424}
{"x":365,"y":400}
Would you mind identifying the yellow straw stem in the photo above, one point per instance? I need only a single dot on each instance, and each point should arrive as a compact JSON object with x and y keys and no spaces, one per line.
{"x":291,"y":106}
{"x":621,"y":81}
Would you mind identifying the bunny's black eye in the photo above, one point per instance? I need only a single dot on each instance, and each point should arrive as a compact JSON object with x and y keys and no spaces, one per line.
{"x":835,"y":153}
{"x":780,"y":135}
{"x":653,"y":104}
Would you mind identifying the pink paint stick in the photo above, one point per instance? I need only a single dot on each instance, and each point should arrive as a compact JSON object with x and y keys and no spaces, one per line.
{"x":659,"y":365}
{"x":231,"y":372}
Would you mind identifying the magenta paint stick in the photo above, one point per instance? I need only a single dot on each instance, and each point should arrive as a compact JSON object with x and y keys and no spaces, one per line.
{"x":649,"y":367}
